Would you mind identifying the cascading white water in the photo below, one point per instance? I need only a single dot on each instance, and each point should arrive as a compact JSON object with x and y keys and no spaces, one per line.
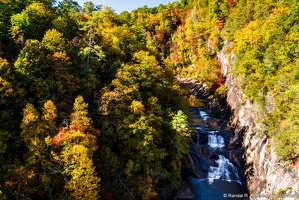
{"x":215,"y":141}
{"x":225,"y":171}
{"x":214,"y":174}
{"x":204,"y":115}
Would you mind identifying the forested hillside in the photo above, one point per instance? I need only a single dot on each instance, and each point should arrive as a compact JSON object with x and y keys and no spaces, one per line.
{"x":89,"y":102}
{"x":90,"y":106}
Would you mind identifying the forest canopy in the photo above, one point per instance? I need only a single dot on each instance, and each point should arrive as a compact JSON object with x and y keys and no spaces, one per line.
{"x":90,"y":105}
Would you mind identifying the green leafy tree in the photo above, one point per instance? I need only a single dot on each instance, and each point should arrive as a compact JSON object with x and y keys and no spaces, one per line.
{"x":33,"y":71}
{"x":6,"y":87}
{"x":31,"y":23}
{"x":68,"y":13}
{"x":53,"y":41}
{"x":6,"y":10}
{"x":179,"y":123}
{"x":46,"y":71}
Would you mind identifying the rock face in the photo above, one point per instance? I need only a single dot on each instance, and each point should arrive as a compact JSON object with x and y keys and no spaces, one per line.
{"x":265,"y":174}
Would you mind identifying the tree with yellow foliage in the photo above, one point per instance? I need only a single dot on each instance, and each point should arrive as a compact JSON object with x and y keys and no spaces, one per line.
{"x":75,"y":152}
{"x":136,"y":128}
{"x":35,"y":130}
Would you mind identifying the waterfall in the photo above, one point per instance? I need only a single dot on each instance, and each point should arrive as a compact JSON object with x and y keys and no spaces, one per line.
{"x":212,"y":174}
{"x":204,"y":115}
{"x":215,"y":141}
{"x":225,"y":171}
{"x":199,"y":113}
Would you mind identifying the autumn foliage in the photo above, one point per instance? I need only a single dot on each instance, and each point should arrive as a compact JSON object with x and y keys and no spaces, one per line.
{"x":67,"y":72}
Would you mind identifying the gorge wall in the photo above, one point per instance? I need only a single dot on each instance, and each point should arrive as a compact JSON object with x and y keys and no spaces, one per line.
{"x":265,"y":174}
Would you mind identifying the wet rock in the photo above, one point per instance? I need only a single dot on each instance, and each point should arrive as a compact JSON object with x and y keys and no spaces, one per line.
{"x":198,"y":162}
{"x":184,"y":192}
{"x":213,"y":123}
{"x":189,"y":167}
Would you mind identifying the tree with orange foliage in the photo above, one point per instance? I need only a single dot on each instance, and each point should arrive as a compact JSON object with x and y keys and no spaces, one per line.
{"x":77,"y":144}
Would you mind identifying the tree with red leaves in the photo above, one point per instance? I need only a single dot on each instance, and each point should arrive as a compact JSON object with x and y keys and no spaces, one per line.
{"x":76,"y":146}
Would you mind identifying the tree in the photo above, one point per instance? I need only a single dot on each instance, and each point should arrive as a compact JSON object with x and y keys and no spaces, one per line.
{"x":179,"y":141}
{"x":6,"y":88}
{"x":31,"y":23}
{"x":53,"y":41}
{"x":68,"y":13}
{"x":88,"y":24}
{"x":135,"y":126}
{"x":45,"y":72}
{"x":10,"y":141}
{"x":78,"y":165}
{"x":5,"y":11}
{"x":89,"y":8}
{"x":64,"y":81}
{"x":77,"y":144}
{"x":35,"y":130}
{"x":32,"y":70}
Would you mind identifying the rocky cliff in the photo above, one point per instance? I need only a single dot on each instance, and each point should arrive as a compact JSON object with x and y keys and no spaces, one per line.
{"x":265,"y":174}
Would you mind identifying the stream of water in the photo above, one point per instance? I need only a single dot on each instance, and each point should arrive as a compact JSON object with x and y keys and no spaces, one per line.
{"x":216,"y":177}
